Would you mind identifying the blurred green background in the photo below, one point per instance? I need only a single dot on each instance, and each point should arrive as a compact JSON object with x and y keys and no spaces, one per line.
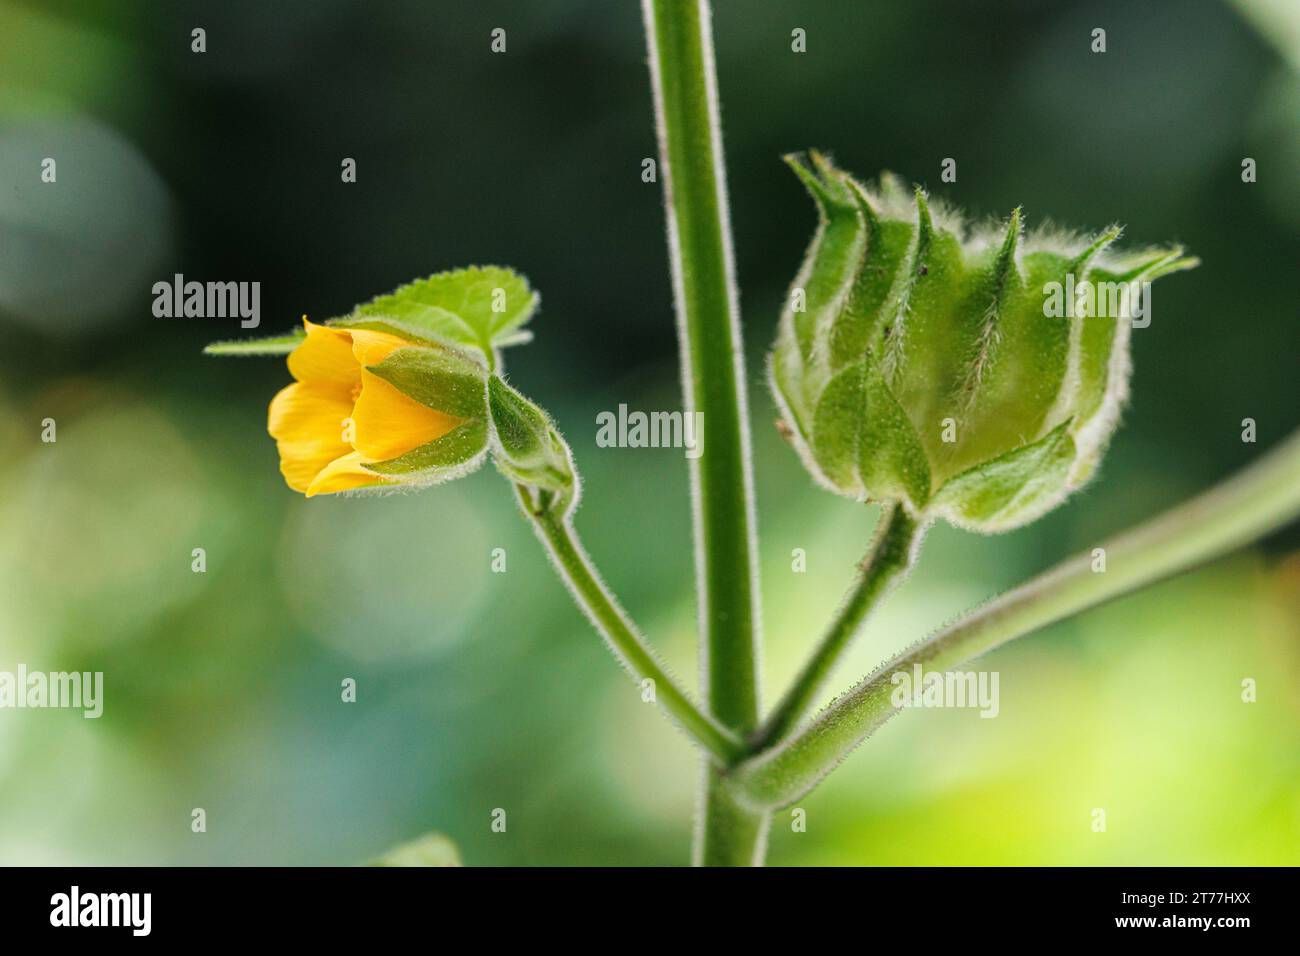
{"x":481,"y":690}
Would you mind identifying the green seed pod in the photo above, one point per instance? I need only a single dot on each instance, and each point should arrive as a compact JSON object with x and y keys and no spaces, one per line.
{"x":974,"y":375}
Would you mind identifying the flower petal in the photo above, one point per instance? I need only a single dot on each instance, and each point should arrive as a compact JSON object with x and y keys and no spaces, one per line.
{"x":307,"y":421}
{"x":371,"y":348}
{"x":325,"y":356}
{"x":389,"y":423}
{"x":344,"y":474}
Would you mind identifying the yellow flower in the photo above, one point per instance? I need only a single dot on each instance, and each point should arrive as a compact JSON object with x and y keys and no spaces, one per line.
{"x":338,"y":416}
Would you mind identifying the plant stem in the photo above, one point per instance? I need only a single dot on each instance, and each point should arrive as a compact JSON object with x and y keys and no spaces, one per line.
{"x":621,"y":635}
{"x":887,"y":564}
{"x":683,"y":78}
{"x":1259,"y":499}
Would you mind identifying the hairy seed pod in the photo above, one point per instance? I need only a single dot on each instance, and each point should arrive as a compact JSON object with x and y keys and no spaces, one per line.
{"x":971,"y":375}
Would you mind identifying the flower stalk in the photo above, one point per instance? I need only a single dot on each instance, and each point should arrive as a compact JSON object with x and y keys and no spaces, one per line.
{"x":887,"y":565}
{"x":619,"y":632}
{"x":1259,"y":499}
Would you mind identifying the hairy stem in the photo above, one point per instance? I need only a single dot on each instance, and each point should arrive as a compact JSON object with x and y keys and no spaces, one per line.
{"x":621,"y":635}
{"x":890,"y":559}
{"x":1259,"y":499}
{"x":682,"y":72}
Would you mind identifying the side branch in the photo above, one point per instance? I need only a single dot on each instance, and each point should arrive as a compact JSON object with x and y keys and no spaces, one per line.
{"x":1261,"y":498}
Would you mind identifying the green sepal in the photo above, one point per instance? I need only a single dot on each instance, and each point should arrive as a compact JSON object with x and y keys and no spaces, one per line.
{"x":826,"y":278}
{"x":456,"y":453}
{"x":865,"y":323}
{"x":446,"y":380}
{"x":1012,"y":489}
{"x":527,"y":448}
{"x":1095,"y":380}
{"x":268,"y":345}
{"x":1149,"y":265}
{"x":892,"y":460}
{"x":863,"y":439}
{"x":483,"y":307}
{"x":835,"y":430}
{"x":1084,"y":260}
{"x":1014,"y":375}
{"x":925,"y":359}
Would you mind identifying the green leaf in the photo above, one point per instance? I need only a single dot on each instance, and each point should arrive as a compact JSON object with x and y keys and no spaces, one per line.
{"x":270,"y":345}
{"x":449,"y":381}
{"x":456,"y":453}
{"x":1012,"y":489}
{"x":432,"y":849}
{"x":481,"y":306}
